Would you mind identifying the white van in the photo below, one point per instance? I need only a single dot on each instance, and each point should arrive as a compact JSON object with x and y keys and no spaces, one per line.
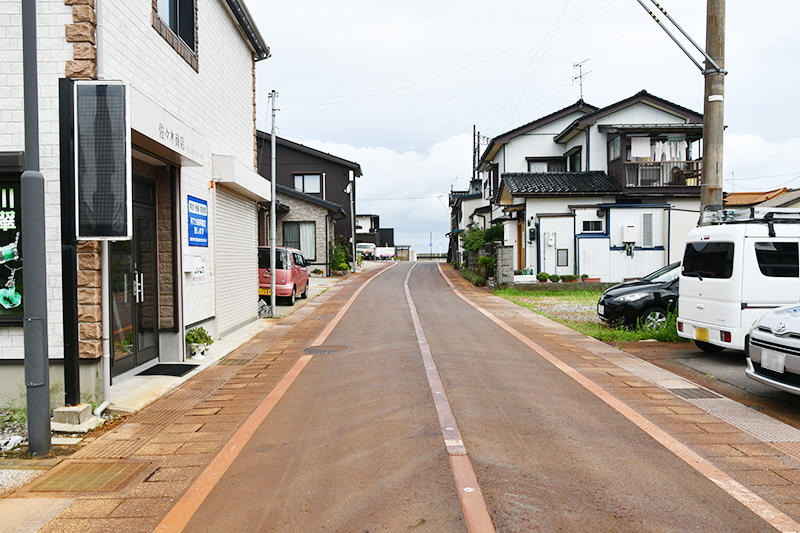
{"x":733,"y":271}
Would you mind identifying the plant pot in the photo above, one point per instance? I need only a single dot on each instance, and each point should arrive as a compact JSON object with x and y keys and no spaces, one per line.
{"x":591,"y":280}
{"x":542,"y":281}
{"x":198,"y":350}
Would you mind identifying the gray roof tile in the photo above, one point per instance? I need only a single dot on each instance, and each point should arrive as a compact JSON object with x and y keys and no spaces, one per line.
{"x":564,"y":183}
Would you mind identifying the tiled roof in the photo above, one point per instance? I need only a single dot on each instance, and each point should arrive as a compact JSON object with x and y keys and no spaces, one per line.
{"x":751,"y":198}
{"x":525,"y":183}
{"x":783,"y":200}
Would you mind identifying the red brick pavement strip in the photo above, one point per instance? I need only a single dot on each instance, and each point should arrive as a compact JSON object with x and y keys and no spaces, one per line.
{"x":180,"y":434}
{"x":763,"y":468}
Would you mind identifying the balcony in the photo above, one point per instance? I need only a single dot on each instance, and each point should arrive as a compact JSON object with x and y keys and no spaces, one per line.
{"x":663,"y":174}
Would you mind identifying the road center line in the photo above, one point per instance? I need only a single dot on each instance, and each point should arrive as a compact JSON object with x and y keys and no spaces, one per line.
{"x":748,"y":498}
{"x":180,"y":514}
{"x":476,"y":513}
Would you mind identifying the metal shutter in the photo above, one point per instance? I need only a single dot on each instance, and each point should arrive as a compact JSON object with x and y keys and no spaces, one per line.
{"x":236,"y":261}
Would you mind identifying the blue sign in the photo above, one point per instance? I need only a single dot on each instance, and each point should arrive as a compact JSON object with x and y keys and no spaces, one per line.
{"x":198,"y":222}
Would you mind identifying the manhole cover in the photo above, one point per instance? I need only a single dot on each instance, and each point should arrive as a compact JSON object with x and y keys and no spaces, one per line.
{"x":89,"y":477}
{"x":693,"y":393}
{"x":326,"y":349}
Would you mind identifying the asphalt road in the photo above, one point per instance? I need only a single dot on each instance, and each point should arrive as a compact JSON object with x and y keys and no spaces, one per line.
{"x":357,"y":444}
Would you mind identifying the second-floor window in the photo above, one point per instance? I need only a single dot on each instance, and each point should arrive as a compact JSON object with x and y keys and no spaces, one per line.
{"x":178,"y":15}
{"x":547,"y":165}
{"x":308,"y":183}
{"x":614,"y":148}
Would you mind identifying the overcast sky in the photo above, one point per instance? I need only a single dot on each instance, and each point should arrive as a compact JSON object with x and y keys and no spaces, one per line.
{"x":398,"y":87}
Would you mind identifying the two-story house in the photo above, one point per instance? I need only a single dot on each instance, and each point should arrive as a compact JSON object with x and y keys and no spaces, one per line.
{"x":162,"y":95}
{"x":609,"y":192}
{"x":315,"y":173}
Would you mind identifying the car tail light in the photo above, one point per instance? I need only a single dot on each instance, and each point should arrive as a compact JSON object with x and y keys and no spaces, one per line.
{"x":725,"y":336}
{"x":680,"y":326}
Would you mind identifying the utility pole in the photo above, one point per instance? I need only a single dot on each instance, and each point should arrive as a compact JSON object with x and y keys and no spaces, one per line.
{"x":37,"y":372}
{"x":273,"y":217}
{"x":713,"y":107}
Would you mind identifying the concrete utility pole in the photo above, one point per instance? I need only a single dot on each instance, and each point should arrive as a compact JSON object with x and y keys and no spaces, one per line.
{"x":713,"y":106}
{"x":273,"y":217}
{"x":37,"y":371}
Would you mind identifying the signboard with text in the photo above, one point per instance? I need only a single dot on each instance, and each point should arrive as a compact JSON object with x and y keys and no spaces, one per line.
{"x":198,"y":221}
{"x":10,"y":251}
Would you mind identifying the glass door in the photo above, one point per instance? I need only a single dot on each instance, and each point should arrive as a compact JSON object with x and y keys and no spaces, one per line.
{"x":134,"y":287}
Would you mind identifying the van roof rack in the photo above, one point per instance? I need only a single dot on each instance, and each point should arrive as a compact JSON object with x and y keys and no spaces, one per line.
{"x":753,"y":215}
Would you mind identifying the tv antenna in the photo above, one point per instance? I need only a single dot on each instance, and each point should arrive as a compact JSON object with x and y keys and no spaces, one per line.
{"x":581,"y":74}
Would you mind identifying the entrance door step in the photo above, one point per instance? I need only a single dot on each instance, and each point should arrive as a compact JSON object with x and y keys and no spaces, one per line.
{"x":74,"y":419}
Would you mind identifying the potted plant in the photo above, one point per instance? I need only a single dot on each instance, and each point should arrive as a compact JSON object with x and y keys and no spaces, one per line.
{"x":569,"y":278}
{"x":542,"y":277}
{"x":554,"y":278}
{"x":199,"y":340}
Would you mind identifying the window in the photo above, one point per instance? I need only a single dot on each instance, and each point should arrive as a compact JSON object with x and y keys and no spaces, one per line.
{"x":303,"y":236}
{"x":175,"y":21}
{"x":298,"y":259}
{"x":777,"y":259}
{"x":708,"y":260}
{"x":614,"y":148}
{"x":575,"y":162}
{"x":562,"y":257}
{"x":592,"y":226}
{"x":281,"y":258}
{"x":308,"y":183}
{"x":547,"y":165}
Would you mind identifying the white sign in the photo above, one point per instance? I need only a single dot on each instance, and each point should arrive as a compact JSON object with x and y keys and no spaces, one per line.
{"x":199,"y":271}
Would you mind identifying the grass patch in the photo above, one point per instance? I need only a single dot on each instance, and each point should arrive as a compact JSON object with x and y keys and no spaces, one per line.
{"x":548,"y":303}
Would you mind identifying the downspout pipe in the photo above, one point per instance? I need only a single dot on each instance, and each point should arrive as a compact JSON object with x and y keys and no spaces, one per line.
{"x":105,"y":247}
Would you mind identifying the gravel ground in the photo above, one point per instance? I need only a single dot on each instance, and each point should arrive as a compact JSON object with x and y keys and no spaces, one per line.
{"x":564,"y":310}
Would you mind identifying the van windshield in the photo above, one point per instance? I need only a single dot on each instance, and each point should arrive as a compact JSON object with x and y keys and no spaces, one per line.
{"x":280,"y":259}
{"x":708,"y":260}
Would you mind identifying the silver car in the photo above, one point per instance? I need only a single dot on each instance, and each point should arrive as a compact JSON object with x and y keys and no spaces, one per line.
{"x":773,"y":349}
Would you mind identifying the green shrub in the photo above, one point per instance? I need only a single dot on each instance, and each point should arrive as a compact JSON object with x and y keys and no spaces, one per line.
{"x":518,"y":272}
{"x":199,"y":336}
{"x":339,"y":256}
{"x":542,"y":276}
{"x":555,"y":278}
{"x":476,"y":279}
{"x":486,"y":263}
{"x":568,"y":277}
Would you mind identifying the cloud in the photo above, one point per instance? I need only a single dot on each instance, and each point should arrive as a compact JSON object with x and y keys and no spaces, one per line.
{"x":409,"y":190}
{"x":754,"y":164}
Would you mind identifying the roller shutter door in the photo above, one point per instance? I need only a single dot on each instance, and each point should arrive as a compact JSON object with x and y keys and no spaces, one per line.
{"x":237,"y":261}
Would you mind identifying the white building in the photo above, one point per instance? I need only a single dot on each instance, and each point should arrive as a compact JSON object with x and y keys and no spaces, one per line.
{"x":610,"y":193}
{"x":188,"y":68}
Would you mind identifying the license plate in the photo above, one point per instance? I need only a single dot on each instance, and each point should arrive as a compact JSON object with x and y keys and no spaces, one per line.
{"x":701,"y":334}
{"x":772,"y":360}
{"x":263,"y":292}
{"x":601,"y":310}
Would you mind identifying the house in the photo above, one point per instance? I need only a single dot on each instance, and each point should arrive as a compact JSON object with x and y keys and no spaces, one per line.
{"x":466,"y":207}
{"x":176,"y":138}
{"x":315,"y":173}
{"x":368,"y":229}
{"x":749,"y":199}
{"x":305,"y":222}
{"x":791,"y":198}
{"x":609,"y":192}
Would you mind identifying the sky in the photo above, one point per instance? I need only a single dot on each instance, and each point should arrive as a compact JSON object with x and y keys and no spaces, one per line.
{"x":398,"y":87}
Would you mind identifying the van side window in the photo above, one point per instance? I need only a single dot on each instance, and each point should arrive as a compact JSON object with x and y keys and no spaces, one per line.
{"x":777,"y":259}
{"x":708,"y":259}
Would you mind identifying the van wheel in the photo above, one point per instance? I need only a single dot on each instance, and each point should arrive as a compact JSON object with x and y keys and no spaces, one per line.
{"x":293,"y":298}
{"x":708,"y":347}
{"x":653,"y":318}
{"x":304,"y":294}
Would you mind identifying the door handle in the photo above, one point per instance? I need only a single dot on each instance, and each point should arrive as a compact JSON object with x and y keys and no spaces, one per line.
{"x":141,"y":287}
{"x":135,"y":287}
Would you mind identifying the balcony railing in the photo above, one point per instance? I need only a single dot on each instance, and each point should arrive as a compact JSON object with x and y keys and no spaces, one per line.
{"x":663,"y":174}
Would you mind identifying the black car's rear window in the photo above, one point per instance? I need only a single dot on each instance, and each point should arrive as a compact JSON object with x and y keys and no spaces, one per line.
{"x":708,"y":259}
{"x":777,"y":259}
{"x":280,"y":258}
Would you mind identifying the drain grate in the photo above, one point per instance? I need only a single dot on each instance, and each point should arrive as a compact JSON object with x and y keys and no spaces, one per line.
{"x":238,"y":362}
{"x":325,"y":317}
{"x":326,"y":349}
{"x":89,"y":477}
{"x":693,"y":393}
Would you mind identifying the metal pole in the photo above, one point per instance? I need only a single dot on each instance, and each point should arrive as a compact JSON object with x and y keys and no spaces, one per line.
{"x":713,"y":107}
{"x":272,"y":212}
{"x":37,"y":372}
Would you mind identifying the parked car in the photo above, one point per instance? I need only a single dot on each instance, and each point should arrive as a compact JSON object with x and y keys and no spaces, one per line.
{"x":772,"y":347}
{"x":291,"y":277}
{"x":367,"y":249}
{"x":645,"y":301}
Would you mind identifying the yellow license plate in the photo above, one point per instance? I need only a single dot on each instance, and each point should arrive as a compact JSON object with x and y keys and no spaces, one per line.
{"x":701,"y":334}
{"x":263,"y":292}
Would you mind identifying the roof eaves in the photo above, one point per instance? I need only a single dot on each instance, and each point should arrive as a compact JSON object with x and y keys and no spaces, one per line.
{"x":249,"y":28}
{"x":312,"y":151}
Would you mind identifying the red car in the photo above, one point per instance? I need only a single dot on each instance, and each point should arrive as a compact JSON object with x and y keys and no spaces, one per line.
{"x":292,"y":275}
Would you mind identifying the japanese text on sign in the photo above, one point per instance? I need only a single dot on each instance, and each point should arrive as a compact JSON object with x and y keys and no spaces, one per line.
{"x":198,"y":221}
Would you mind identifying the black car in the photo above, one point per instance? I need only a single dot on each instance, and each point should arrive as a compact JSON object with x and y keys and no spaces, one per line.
{"x":644,"y":301}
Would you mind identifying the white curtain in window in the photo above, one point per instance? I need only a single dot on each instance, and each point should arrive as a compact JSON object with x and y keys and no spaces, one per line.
{"x":308,"y":240}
